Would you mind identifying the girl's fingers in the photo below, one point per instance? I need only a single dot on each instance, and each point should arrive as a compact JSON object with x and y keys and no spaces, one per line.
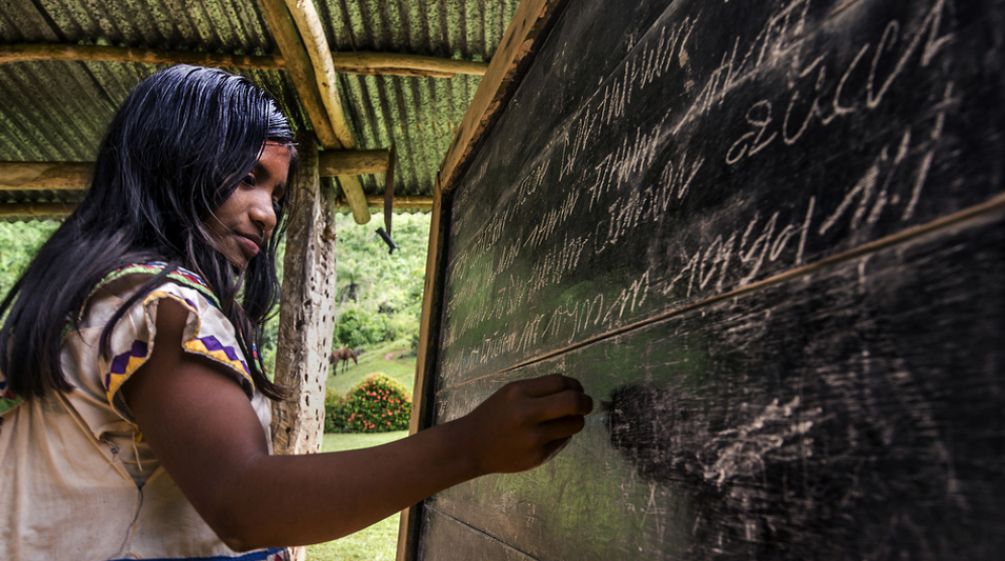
{"x":546,"y":385}
{"x":566,"y":403}
{"x":561,"y":429}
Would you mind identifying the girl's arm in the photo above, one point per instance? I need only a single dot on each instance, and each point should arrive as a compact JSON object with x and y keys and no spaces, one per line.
{"x":202,"y":428}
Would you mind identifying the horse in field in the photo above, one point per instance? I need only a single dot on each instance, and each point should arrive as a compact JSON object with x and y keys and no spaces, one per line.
{"x":343,"y":355}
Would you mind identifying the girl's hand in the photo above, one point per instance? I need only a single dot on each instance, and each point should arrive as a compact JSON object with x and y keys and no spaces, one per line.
{"x":524,"y":423}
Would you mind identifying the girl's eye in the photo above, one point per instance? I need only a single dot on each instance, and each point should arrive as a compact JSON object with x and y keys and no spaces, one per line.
{"x":248,"y":180}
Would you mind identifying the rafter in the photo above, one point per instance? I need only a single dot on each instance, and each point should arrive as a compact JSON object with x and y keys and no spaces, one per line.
{"x":74,"y":176}
{"x":314,"y":49}
{"x":353,"y":162}
{"x":35,"y":211}
{"x":308,"y":24}
{"x":44,"y":176}
{"x":357,"y":62}
{"x":30,"y":52}
{"x":56,"y":211}
{"x":405,"y":65}
{"x":301,"y":73}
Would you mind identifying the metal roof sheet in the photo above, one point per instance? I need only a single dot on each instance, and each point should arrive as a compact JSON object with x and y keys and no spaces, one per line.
{"x":57,"y":111}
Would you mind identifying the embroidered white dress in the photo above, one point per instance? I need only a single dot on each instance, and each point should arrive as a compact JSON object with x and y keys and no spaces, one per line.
{"x":76,"y":480}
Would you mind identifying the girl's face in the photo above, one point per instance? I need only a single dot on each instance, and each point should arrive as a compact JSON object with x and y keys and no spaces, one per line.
{"x":243,"y":224}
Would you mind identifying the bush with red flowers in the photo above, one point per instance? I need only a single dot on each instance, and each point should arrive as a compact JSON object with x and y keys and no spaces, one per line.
{"x":377,"y":404}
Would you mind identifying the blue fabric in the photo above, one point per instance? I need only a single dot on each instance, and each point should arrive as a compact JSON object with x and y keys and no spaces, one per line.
{"x":261,"y":555}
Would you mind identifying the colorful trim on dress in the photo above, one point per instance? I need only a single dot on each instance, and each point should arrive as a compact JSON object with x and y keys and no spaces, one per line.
{"x":212,"y":347}
{"x":123,"y":365}
{"x":271,"y":554}
{"x":180,"y":275}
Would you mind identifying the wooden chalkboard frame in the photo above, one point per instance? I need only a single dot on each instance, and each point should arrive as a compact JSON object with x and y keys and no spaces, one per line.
{"x":516,"y":49}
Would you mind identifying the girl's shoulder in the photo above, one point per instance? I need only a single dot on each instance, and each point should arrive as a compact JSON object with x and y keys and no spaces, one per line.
{"x":132,"y":275}
{"x":121,"y":318}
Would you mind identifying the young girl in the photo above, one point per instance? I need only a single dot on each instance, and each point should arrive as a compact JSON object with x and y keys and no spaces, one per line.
{"x":135,"y":408}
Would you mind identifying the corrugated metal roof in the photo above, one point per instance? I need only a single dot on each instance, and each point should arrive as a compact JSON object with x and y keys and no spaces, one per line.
{"x":57,"y":111}
{"x":417,"y":115}
{"x":467,"y":30}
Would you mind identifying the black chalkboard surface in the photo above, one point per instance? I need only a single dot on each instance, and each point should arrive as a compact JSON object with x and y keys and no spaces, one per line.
{"x":768,"y":238}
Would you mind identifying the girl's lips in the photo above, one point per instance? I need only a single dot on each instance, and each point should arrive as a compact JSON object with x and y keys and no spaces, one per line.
{"x":248,"y":246}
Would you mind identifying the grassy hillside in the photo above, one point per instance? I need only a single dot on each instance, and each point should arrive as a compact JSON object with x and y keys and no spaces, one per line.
{"x":393,"y":359}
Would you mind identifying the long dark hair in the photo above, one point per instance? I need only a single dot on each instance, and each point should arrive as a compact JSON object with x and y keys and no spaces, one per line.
{"x":180,"y":144}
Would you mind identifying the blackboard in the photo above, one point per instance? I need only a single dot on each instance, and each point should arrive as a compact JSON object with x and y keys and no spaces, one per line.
{"x":768,"y":238}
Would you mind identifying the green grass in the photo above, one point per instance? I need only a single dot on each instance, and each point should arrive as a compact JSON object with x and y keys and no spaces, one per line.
{"x":378,"y":542}
{"x":372,"y":360}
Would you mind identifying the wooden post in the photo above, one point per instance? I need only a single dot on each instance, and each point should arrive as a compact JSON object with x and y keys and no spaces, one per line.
{"x":306,"y":312}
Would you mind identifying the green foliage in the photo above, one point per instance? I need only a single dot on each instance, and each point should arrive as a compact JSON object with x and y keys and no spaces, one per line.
{"x":19,"y":241}
{"x":333,"y":406}
{"x":380,"y":291}
{"x":357,"y":327}
{"x":378,"y":404}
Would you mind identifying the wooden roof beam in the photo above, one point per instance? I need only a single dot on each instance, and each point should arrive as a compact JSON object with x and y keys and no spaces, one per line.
{"x":44,"y":176}
{"x":405,"y":65}
{"x":361,"y":62}
{"x":43,"y":211}
{"x":30,"y":52}
{"x":75,"y":176}
{"x":353,"y":162}
{"x":35,"y":211}
{"x":298,"y":66}
{"x":308,"y":23}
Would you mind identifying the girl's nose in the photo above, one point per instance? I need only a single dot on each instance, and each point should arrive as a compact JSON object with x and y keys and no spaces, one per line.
{"x":263,"y":215}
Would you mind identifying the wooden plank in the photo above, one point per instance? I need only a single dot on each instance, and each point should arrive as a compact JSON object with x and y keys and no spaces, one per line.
{"x":305,"y":17}
{"x":301,"y":73}
{"x":312,"y":33}
{"x":468,"y":543}
{"x":44,"y":176}
{"x":35,"y":211}
{"x":306,"y":315}
{"x":425,"y":362}
{"x":517,"y":43}
{"x":29,"y":52}
{"x":360,"y":62}
{"x":357,"y":62}
{"x":353,"y":162}
{"x":400,"y":203}
{"x":352,"y":191}
{"x":74,"y":176}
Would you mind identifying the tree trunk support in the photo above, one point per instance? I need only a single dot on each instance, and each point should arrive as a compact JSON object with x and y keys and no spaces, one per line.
{"x":306,"y":312}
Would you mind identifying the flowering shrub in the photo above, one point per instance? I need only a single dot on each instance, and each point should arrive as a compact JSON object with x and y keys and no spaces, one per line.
{"x":377,"y":404}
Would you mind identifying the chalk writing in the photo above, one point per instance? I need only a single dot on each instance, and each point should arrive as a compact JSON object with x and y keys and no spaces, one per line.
{"x":622,"y":184}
